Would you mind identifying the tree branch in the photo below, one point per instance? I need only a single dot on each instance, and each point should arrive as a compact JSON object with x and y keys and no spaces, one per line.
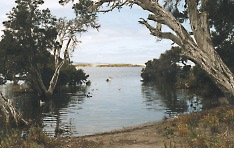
{"x":160,"y":34}
{"x":100,"y":3}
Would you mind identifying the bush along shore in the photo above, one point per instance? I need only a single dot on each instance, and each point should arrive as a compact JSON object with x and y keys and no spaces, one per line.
{"x":109,"y":65}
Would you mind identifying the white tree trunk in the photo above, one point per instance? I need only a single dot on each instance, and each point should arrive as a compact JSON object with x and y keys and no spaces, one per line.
{"x":54,"y":79}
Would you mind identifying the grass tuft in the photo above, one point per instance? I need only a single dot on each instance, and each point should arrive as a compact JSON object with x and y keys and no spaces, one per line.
{"x":207,"y":129}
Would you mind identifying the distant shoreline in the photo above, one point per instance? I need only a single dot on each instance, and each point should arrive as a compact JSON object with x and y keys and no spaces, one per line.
{"x":109,"y":65}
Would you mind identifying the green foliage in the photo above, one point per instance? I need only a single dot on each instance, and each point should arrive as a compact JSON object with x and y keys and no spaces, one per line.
{"x":29,"y":44}
{"x":165,"y":67}
{"x":34,"y":137}
{"x":69,"y":75}
{"x":85,"y":19}
{"x":222,"y":24}
{"x":221,"y":19}
{"x":29,"y":33}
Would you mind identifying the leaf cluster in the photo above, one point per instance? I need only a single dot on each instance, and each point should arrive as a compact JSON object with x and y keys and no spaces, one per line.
{"x":165,"y":67}
{"x":30,"y":39}
{"x":31,"y":30}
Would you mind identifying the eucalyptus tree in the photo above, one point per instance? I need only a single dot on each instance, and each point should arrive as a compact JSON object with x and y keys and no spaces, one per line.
{"x":195,"y":42}
{"x":34,"y":38}
{"x":67,"y":36}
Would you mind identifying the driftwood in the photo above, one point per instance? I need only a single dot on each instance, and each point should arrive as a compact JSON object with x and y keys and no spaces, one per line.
{"x":9,"y":113}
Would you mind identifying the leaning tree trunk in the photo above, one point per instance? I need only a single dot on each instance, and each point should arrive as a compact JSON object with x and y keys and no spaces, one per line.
{"x":37,"y":82}
{"x":198,"y":48}
{"x":8,"y":113}
{"x":203,"y":52}
{"x":213,"y":65}
{"x":54,"y":79}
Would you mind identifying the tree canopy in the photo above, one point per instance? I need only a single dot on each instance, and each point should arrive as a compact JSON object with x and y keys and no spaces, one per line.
{"x":37,"y":45}
{"x":163,"y":68}
{"x":195,"y":42}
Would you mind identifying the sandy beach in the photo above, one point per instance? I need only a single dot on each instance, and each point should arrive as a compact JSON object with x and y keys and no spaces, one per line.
{"x":149,"y":135}
{"x":208,"y":128}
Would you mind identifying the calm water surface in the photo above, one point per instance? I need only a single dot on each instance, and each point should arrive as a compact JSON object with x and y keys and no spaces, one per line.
{"x":121,"y":102}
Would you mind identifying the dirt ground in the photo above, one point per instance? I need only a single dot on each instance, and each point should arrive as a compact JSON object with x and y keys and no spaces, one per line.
{"x":150,"y":135}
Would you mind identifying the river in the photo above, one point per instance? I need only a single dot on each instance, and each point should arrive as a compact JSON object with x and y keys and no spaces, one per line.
{"x":105,"y":105}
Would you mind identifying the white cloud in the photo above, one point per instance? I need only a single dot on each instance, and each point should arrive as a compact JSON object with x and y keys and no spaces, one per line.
{"x":121,"y":38}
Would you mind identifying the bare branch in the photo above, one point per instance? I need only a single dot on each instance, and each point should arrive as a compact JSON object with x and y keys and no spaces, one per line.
{"x":160,"y":34}
{"x":112,"y":4}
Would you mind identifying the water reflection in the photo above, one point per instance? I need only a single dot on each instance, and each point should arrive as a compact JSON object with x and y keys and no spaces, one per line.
{"x":55,"y":118}
{"x":104,"y":106}
{"x":175,"y":101}
{"x":53,"y":115}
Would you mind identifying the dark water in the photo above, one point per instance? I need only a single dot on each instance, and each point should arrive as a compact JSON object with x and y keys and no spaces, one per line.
{"x":121,"y":102}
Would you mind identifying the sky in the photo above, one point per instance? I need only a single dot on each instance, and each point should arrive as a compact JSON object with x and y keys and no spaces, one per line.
{"x":121,"y":39}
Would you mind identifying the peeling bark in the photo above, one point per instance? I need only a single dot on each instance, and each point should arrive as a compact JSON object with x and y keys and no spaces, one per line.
{"x":10,"y":114}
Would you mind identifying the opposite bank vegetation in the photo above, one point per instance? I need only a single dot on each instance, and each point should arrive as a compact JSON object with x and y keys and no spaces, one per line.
{"x":109,"y":65}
